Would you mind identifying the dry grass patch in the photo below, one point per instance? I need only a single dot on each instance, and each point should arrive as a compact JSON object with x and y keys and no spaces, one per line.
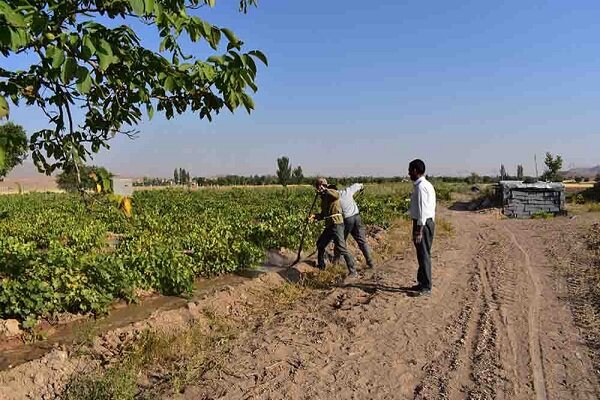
{"x":330,"y":276}
{"x":158,"y":362}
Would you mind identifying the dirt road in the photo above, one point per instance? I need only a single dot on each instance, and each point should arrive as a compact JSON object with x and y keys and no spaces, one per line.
{"x":495,"y":327}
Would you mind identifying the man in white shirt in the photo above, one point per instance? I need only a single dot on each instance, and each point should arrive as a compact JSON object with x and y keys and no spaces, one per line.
{"x":353,"y":223}
{"x":422,"y":212}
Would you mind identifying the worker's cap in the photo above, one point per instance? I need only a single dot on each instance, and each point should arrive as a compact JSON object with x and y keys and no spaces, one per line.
{"x":320,"y":182}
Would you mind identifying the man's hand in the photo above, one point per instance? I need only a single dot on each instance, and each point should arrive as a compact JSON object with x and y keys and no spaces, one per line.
{"x":418,"y":237}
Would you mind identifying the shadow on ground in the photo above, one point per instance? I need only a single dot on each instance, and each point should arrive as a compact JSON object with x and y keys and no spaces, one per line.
{"x":377,"y":287}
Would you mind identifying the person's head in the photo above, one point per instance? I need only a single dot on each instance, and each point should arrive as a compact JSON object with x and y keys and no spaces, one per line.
{"x":416,"y":169}
{"x":321,"y":184}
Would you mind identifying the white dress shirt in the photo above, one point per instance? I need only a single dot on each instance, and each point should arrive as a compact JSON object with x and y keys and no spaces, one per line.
{"x":349,"y":206}
{"x":422,"y":201}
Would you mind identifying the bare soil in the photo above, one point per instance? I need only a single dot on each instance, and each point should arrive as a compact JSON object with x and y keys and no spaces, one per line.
{"x":501,"y":323}
{"x":495,"y":327}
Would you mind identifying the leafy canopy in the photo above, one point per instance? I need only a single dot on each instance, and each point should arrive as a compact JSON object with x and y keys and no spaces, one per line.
{"x":13,"y":147}
{"x":83,"y":54}
{"x":89,"y":175}
{"x":284,"y":170}
{"x":553,"y":166}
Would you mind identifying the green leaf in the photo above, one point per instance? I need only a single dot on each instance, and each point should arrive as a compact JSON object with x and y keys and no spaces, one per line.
{"x":58,"y":57}
{"x":149,"y":6}
{"x":150,"y":110}
{"x":2,"y":157}
{"x":84,"y":83}
{"x":259,"y":54}
{"x":4,"y":35}
{"x":87,"y":49}
{"x":169,"y":84}
{"x":230,"y":35}
{"x":104,"y":48}
{"x":105,"y":60}
{"x":18,"y":39}
{"x":216,"y":59}
{"x":211,"y":3}
{"x":215,"y":37}
{"x":248,"y":102}
{"x":4,"y":109}
{"x":137,"y":6}
{"x":69,"y":69}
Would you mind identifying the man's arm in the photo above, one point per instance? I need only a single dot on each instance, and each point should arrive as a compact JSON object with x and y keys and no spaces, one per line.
{"x":353,"y":189}
{"x":332,"y":193}
{"x":421,"y":196}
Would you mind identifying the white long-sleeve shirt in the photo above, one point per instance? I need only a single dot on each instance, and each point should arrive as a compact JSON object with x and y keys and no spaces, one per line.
{"x":349,"y":206}
{"x":422,"y":201}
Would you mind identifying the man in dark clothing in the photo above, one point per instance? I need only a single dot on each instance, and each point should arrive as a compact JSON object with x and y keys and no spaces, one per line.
{"x":331,"y":213}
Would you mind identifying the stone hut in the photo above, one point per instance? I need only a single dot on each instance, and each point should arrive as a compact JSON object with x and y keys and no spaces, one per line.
{"x":523,"y":200}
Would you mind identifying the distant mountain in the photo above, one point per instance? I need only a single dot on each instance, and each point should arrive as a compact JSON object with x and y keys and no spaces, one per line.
{"x":583,"y":172}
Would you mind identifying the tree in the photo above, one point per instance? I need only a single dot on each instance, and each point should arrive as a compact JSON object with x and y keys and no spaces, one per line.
{"x":176,"y":176}
{"x":297,"y":175}
{"x":502,"y":172}
{"x":553,"y":166}
{"x":13,"y":147}
{"x":520,"y":172}
{"x":474,"y":178}
{"x":284,"y":170}
{"x":90,"y":177}
{"x":84,"y":54}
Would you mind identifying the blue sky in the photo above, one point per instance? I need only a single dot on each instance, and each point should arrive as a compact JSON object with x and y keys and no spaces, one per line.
{"x":358,"y":87}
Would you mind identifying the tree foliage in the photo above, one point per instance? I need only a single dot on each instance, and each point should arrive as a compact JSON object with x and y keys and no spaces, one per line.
{"x":297,"y":175}
{"x":553,"y":166}
{"x":284,"y":170}
{"x":90,"y":177}
{"x":13,"y":147}
{"x":91,"y":76}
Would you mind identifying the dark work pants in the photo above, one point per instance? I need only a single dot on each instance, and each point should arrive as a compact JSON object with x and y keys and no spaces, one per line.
{"x":424,"y":253}
{"x":353,"y":226}
{"x":335,"y":233}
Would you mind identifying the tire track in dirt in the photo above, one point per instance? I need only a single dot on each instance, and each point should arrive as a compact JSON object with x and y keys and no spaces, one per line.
{"x":470,"y":367}
{"x":535,"y":349}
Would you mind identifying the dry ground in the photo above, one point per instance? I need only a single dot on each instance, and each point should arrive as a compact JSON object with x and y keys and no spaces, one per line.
{"x":503,"y":322}
{"x":494,"y":328}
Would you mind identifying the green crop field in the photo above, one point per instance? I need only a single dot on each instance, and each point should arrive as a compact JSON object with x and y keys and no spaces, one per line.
{"x":59,"y":255}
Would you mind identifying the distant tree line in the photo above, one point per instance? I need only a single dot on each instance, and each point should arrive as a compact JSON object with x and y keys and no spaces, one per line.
{"x":181,"y":177}
{"x":286,"y":174}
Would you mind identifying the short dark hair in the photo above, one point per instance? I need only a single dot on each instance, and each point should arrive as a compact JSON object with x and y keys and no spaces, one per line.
{"x":417,"y":165}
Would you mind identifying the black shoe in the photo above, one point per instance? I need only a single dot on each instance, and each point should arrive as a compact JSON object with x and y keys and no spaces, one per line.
{"x":415,"y":288}
{"x":370,"y":266}
{"x":420,"y":293}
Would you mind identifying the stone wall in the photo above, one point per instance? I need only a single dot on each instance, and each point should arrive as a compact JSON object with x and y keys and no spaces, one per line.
{"x":521,"y":200}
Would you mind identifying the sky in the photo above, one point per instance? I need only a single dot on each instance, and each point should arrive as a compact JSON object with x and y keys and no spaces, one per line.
{"x":362,"y":88}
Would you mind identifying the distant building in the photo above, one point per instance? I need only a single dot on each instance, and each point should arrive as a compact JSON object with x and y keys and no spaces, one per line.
{"x":523,"y":200}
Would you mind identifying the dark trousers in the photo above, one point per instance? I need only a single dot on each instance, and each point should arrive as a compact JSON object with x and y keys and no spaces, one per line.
{"x":354,"y":226}
{"x":335,"y":233}
{"x":424,"y":253}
